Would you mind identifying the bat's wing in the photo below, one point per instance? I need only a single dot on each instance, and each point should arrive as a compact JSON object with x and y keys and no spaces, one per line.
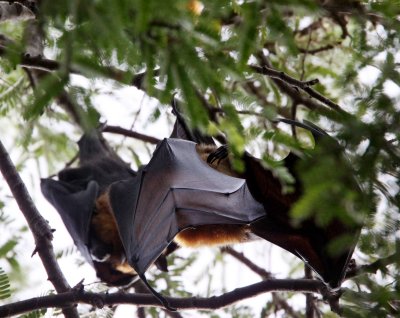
{"x":74,"y":197}
{"x":175,"y":191}
{"x":308,"y":241}
{"x":75,"y":206}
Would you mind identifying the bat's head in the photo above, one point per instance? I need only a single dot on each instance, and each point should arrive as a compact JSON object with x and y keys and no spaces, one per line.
{"x":107,"y":273}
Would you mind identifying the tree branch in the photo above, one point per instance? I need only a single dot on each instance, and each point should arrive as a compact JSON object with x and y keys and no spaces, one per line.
{"x":38,"y":226}
{"x":100,"y":300}
{"x":239,"y":256}
{"x":319,"y":49}
{"x":283,"y":76}
{"x":373,"y":267}
{"x":303,"y":85}
{"x":39,"y":63}
{"x":130,"y":133}
{"x":298,"y":98}
{"x":310,"y":305}
{"x":276,"y":298}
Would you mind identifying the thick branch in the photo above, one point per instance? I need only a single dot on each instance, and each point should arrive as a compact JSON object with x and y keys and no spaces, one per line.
{"x":38,"y":226}
{"x":278,"y":300}
{"x":212,"y":303}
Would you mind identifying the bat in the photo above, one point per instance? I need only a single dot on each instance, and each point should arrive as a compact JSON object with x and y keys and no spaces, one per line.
{"x":76,"y":195}
{"x":308,"y":241}
{"x":122,"y":220}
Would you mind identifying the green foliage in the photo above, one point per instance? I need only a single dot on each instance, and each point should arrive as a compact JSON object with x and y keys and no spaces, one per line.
{"x":5,"y":291}
{"x":205,"y":57}
{"x":35,"y":314}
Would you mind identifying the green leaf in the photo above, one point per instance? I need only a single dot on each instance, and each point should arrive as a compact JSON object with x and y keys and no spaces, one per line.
{"x":48,"y":88}
{"x":7,"y":247}
{"x":5,"y":291}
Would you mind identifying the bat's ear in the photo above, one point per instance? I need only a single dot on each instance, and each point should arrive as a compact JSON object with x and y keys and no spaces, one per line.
{"x":75,"y":206}
{"x":182,"y":129}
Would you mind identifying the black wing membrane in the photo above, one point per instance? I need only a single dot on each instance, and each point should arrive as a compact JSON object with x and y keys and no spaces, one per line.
{"x":74,"y":196}
{"x":75,"y":206}
{"x":176,"y":190}
{"x":308,"y":241}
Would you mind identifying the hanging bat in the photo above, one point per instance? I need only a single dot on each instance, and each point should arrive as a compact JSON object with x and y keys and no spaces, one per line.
{"x":77,"y":197}
{"x":122,"y":221}
{"x":308,"y":241}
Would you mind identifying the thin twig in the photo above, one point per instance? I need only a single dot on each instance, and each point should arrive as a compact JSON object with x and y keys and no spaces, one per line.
{"x":239,"y":256}
{"x":313,"y":93}
{"x":304,"y":85}
{"x":373,"y":267}
{"x":283,"y":76}
{"x":319,"y":49}
{"x":130,"y":133}
{"x":293,"y":93}
{"x":281,"y":303}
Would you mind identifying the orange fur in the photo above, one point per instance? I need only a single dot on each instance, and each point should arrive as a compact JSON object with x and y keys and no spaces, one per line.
{"x":213,"y":235}
{"x":103,"y":222}
{"x":105,"y":228}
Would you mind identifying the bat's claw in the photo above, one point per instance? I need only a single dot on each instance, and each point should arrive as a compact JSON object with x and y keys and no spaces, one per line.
{"x":219,"y":154}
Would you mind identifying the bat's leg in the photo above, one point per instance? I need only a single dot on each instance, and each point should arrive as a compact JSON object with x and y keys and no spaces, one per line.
{"x":161,"y":261}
